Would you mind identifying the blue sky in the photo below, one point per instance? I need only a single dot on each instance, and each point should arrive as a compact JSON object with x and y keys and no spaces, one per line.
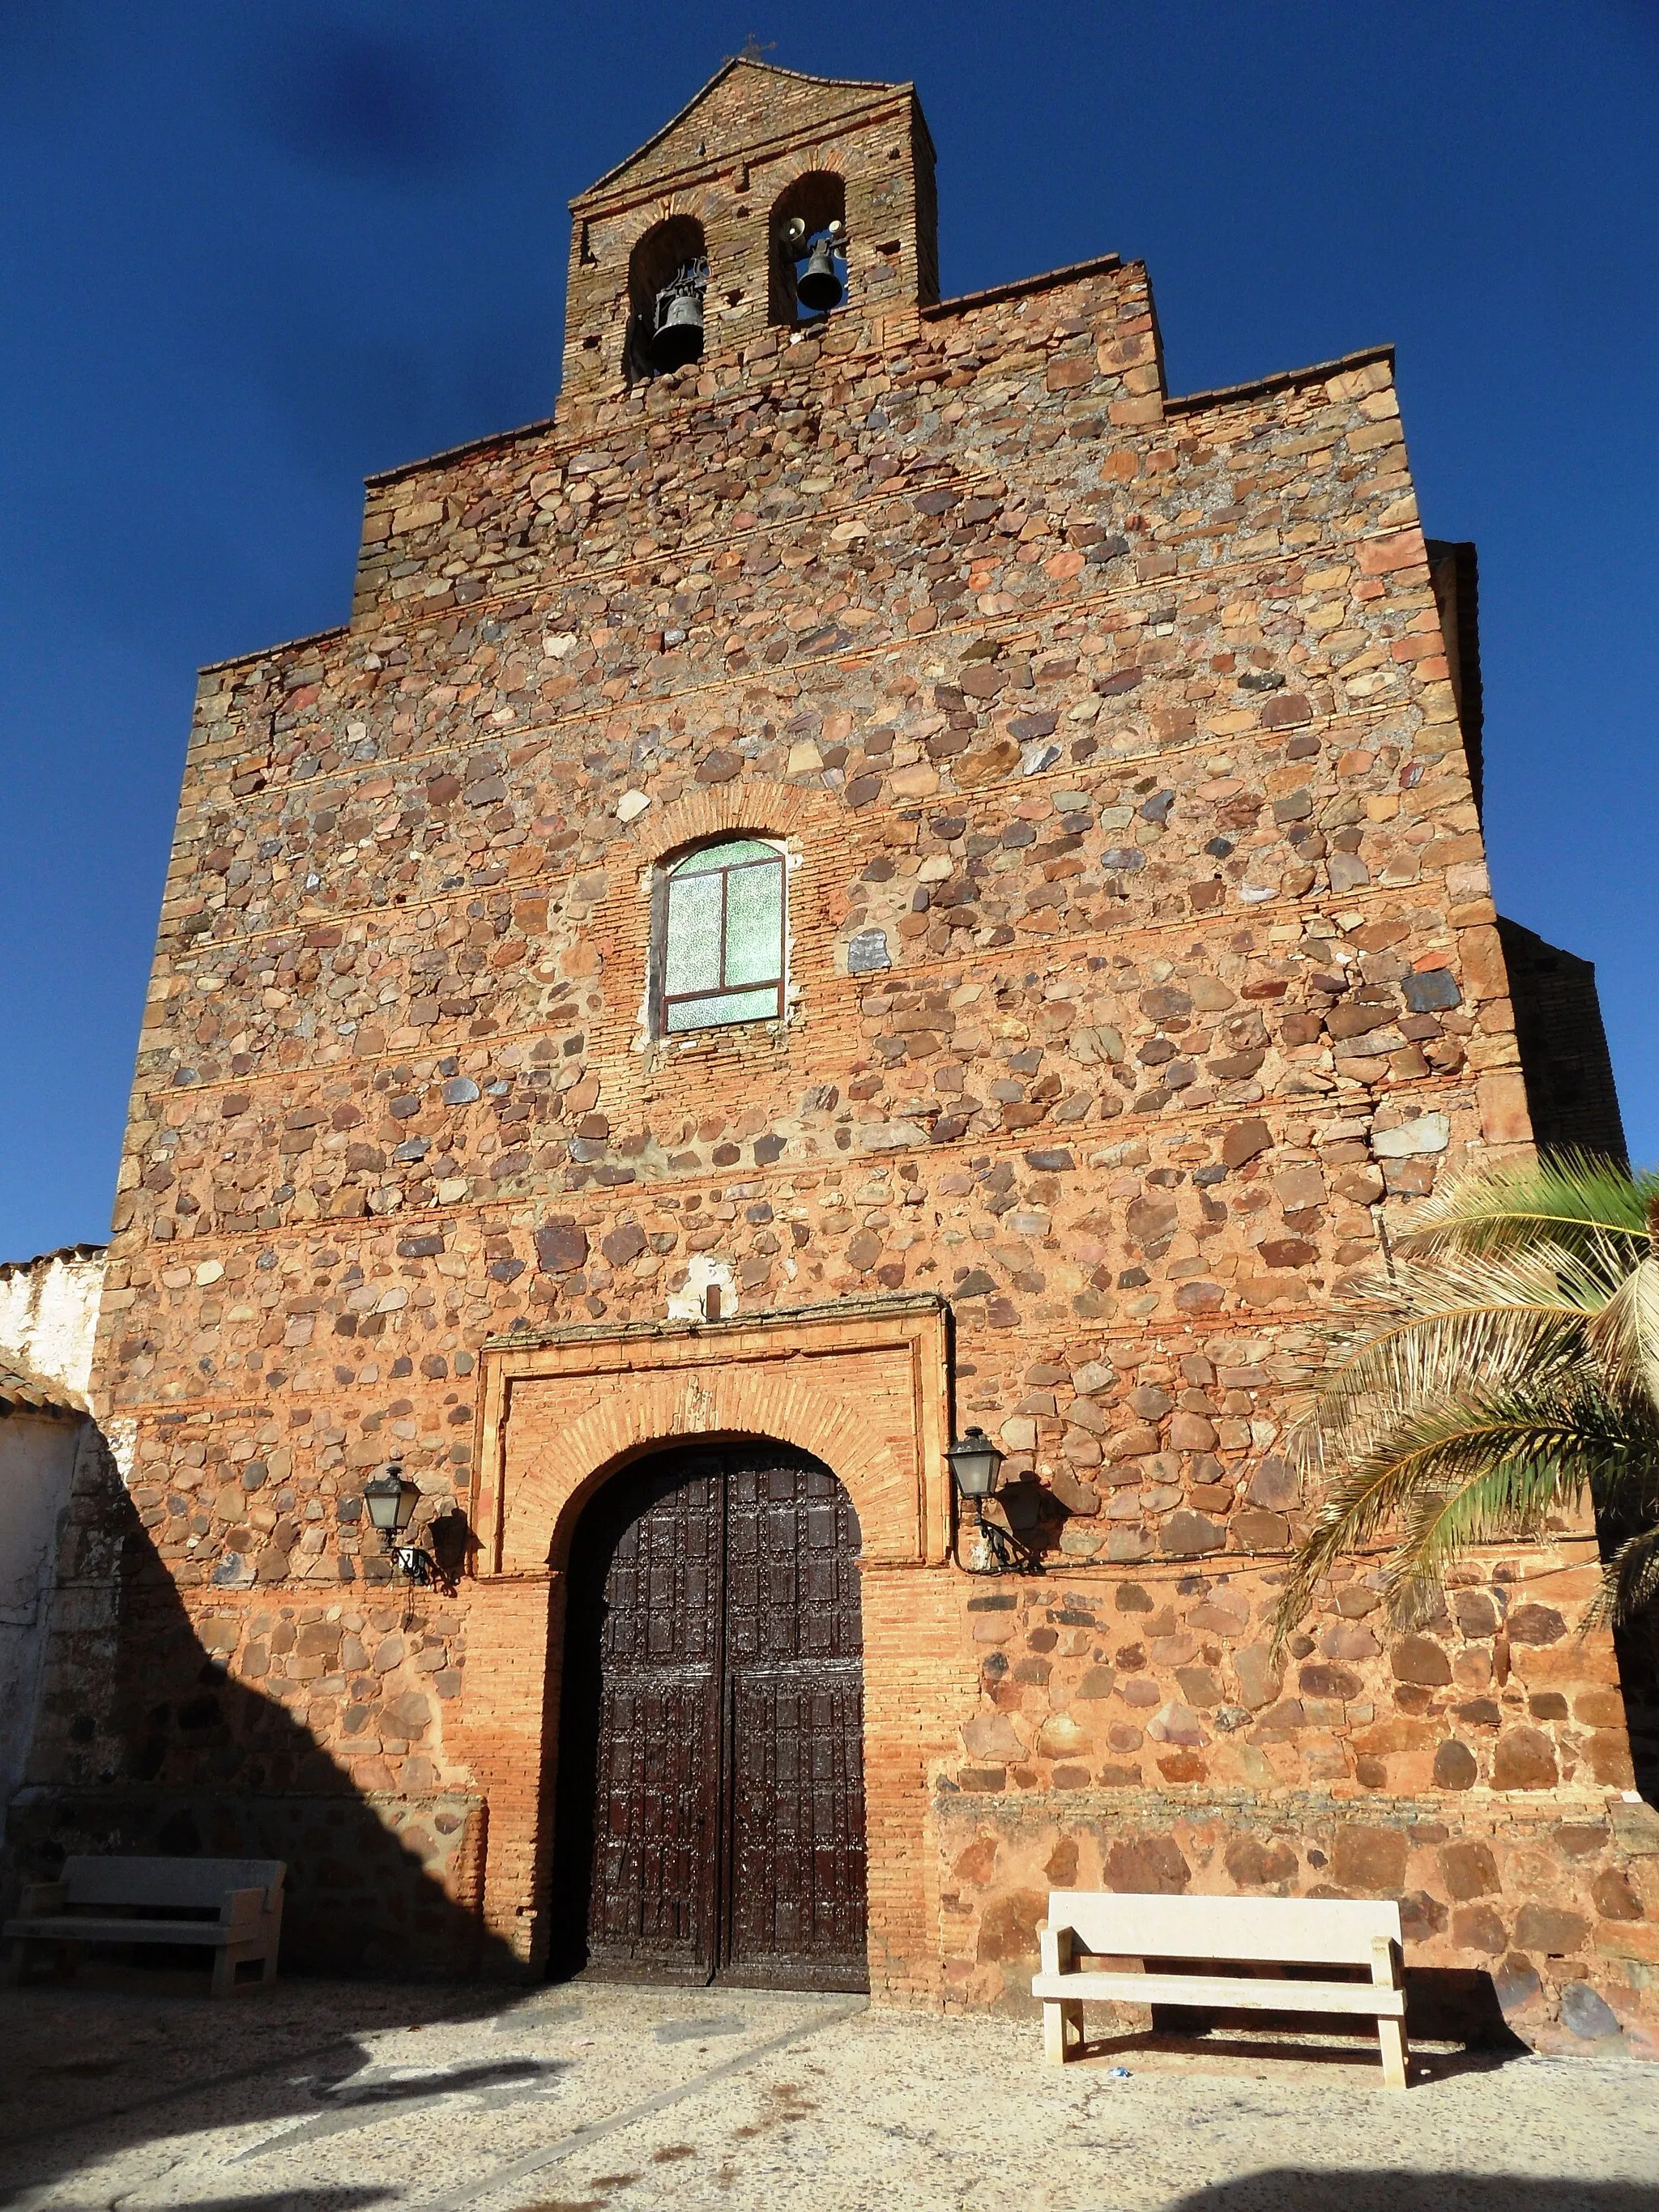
{"x":251,"y":253}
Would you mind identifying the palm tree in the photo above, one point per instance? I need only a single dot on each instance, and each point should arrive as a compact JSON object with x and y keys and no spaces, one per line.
{"x":1501,"y":1369}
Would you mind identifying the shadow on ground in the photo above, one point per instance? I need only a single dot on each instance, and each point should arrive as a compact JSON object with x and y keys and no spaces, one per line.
{"x":1356,"y":2055}
{"x":336,"y":2199}
{"x":1372,"y":2189}
{"x":146,"y":1743}
{"x":1454,"y":2008}
{"x":186,"y":2066}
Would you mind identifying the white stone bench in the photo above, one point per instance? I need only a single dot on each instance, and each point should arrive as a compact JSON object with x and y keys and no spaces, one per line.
{"x":121,"y":1900}
{"x":1187,"y":1932}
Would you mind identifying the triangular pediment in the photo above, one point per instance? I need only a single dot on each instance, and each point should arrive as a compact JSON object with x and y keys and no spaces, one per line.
{"x":744,"y":104}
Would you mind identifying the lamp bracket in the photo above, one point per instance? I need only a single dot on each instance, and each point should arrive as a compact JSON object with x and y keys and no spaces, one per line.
{"x":419,"y":1566}
{"x":1008,"y":1554}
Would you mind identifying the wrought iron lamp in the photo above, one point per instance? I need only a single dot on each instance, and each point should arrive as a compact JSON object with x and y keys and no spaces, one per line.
{"x":391,"y":1499}
{"x":975,"y":1463}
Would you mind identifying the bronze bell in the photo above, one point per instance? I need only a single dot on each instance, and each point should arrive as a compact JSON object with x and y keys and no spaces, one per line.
{"x":817,"y":287}
{"x":678,"y":337}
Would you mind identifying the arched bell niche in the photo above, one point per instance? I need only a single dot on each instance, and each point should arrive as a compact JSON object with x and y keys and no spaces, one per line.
{"x":816,"y":201}
{"x":667,"y":276}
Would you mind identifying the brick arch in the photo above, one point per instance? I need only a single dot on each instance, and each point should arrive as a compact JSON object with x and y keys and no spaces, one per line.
{"x":672,"y":237}
{"x":751,"y":806}
{"x":863,"y":1385}
{"x":572,"y":1459}
{"x":697,"y":201}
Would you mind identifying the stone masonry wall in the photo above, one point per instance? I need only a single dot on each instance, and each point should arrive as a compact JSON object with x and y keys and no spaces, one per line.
{"x":1121,"y":727}
{"x":1132,"y":1736}
{"x":1570,"y":1094}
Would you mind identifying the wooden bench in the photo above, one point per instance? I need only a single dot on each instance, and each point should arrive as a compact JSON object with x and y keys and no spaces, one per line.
{"x":118,"y":1901}
{"x":1186,"y":1933}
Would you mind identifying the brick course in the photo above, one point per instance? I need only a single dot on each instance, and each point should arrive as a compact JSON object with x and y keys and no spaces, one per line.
{"x":1127,"y":721}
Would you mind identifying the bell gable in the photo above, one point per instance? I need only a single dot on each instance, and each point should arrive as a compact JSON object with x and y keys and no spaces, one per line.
{"x":686,"y":251}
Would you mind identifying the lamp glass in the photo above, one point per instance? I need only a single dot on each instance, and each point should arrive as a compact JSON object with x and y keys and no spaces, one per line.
{"x":975,"y":1463}
{"x":390,"y":1500}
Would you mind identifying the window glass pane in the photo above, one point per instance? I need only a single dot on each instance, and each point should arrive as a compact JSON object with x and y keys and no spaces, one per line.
{"x":723,"y":936}
{"x":729,"y":1007}
{"x":723,"y":856}
{"x":754,"y":924}
{"x":691,"y":959}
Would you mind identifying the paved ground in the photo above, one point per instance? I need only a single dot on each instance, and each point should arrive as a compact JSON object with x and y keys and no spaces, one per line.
{"x":138,"y":2094}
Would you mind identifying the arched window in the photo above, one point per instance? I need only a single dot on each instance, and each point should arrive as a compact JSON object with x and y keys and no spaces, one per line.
{"x":808,"y":235}
{"x":667,"y":276}
{"x":719,"y":937}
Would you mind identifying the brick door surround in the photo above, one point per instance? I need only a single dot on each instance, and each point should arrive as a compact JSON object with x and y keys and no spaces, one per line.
{"x":862,"y":1384}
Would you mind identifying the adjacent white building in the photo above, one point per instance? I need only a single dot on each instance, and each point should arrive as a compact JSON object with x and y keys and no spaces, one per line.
{"x":48,"y":1318}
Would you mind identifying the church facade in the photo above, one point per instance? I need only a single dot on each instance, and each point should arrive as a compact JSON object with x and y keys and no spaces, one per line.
{"x":878,"y":874}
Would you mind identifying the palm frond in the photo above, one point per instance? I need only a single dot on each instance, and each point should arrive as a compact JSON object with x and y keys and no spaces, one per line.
{"x":1487,"y":1464}
{"x":1566,"y":1198}
{"x":1418,"y":1337}
{"x":1428,"y":1451}
{"x":1630,"y":1581}
{"x":1580,"y":1277}
{"x":1511,"y":1501}
{"x":1505,"y":1366}
{"x":1625,"y":1333}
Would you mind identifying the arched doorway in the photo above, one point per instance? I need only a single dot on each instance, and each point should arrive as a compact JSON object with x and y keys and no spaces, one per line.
{"x":710,"y":1800}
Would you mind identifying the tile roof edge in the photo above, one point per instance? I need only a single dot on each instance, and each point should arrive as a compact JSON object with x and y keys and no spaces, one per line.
{"x":57,"y":1252}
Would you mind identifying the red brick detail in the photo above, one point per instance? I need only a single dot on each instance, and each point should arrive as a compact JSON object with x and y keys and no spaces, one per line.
{"x":749,"y":807}
{"x":506,"y":1729}
{"x":864,"y":1393}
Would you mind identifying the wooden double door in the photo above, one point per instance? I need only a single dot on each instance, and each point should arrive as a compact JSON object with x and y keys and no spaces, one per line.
{"x":709,"y":1823}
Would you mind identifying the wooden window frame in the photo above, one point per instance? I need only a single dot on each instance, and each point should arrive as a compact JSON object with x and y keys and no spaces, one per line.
{"x":663,"y":1000}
